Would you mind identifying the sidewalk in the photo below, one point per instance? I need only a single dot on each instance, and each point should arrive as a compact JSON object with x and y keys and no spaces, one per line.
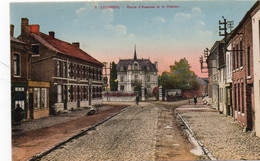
{"x":220,"y":134}
{"x":36,"y":136}
{"x":32,"y":125}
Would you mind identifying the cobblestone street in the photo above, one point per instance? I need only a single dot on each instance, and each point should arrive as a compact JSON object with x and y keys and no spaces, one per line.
{"x":220,"y":134}
{"x":128,"y":136}
{"x":144,"y":132}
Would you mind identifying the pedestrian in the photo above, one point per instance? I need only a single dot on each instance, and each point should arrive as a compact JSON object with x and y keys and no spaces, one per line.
{"x":137,"y":99}
{"x":18,"y":114}
{"x":195,"y":100}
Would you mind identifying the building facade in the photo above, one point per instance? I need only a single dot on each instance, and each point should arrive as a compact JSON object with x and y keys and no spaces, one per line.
{"x":228,"y":110}
{"x":256,"y":55}
{"x":243,"y":72}
{"x":75,"y":77}
{"x":137,"y":72}
{"x":215,"y":66}
{"x":32,"y":97}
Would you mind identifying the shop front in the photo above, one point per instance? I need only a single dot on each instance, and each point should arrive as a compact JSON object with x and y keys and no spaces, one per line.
{"x":38,"y":99}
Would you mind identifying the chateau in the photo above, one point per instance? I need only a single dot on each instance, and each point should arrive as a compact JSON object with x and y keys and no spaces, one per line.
{"x":137,"y":72}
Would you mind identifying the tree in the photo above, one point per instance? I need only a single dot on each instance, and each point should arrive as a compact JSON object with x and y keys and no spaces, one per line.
{"x":179,"y":77}
{"x":113,"y":78}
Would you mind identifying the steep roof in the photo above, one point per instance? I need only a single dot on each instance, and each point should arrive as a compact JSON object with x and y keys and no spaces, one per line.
{"x":144,"y":64}
{"x":64,"y":47}
{"x":16,"y":40}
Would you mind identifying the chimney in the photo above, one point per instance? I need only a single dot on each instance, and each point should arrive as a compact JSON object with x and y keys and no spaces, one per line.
{"x":52,"y":34}
{"x":11,"y":30}
{"x":24,"y":26}
{"x":34,"y":28}
{"x":76,"y":44}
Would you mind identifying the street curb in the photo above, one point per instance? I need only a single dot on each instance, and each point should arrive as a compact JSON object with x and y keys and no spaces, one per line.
{"x":204,"y":149}
{"x":93,"y":127}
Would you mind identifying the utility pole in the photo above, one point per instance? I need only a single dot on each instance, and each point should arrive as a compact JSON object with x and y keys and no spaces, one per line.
{"x":202,"y":62}
{"x":223,"y":27}
{"x":105,"y":80}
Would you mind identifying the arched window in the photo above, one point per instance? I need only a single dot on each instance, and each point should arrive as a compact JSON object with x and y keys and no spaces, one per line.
{"x":135,"y":65}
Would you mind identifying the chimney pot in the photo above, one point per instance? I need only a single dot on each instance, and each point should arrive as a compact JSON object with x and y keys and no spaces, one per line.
{"x":76,"y":44}
{"x":52,"y":34}
{"x":34,"y":28}
{"x":11,"y":30}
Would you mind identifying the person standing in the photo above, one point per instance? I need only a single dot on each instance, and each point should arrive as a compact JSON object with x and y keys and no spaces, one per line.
{"x":195,"y":100}
{"x":137,"y":99}
{"x":18,"y":114}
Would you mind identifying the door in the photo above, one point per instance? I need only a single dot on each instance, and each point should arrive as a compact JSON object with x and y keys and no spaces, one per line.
{"x":31,"y":105}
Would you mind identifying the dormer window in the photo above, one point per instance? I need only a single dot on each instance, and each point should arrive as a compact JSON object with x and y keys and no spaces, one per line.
{"x":135,"y":65}
{"x":121,"y":68}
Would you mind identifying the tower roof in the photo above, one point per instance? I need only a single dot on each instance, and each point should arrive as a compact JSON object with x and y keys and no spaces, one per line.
{"x":135,"y":57}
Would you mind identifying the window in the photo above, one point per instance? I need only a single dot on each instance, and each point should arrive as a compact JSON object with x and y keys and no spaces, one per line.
{"x":71,"y":93}
{"x":20,"y":102}
{"x":237,"y":56}
{"x":84,"y":72}
{"x":44,"y":98}
{"x":78,"y":71}
{"x":58,"y":68}
{"x":121,"y":78}
{"x":35,"y":48}
{"x":16,"y":62}
{"x":87,"y":72}
{"x":59,"y":93}
{"x":238,"y":96}
{"x":19,"y":89}
{"x":136,"y":76}
{"x":248,"y":61}
{"x":71,"y":70}
{"x":135,"y":66}
{"x":241,"y":53}
{"x":228,"y":64}
{"x":84,"y":93}
{"x":242,"y":94}
{"x":64,"y":70}
{"x":37,"y":98}
{"x":148,"y":78}
{"x":234,"y":58}
{"x":122,"y":88}
{"x":220,"y":75}
{"x":235,"y":97}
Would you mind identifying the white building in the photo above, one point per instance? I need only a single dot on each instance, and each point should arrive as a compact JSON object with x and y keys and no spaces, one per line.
{"x":137,"y":72}
{"x":256,"y":56}
{"x":228,"y":110}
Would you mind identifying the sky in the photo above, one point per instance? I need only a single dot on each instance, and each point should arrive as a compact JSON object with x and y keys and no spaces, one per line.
{"x":108,"y":31}
{"x":161,"y":34}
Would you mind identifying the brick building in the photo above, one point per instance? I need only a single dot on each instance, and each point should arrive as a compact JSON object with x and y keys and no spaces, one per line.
{"x":32,"y":96}
{"x":75,"y":77}
{"x":243,"y":72}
